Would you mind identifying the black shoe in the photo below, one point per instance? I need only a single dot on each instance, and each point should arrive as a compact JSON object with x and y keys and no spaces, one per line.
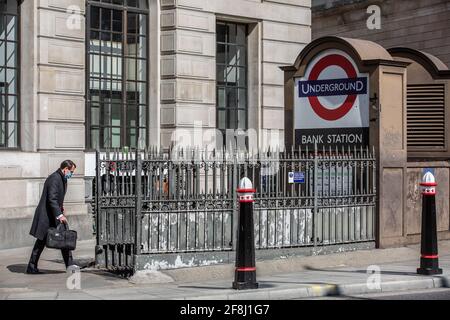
{"x":33,"y":270}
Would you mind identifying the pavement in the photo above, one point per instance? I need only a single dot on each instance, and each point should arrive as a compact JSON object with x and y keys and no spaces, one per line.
{"x":334,"y":275}
{"x":428,"y":294}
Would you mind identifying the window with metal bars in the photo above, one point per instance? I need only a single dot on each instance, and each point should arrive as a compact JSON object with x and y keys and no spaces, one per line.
{"x":117,"y":106}
{"x":426,"y":117}
{"x":9,"y":74}
{"x":231,"y":55}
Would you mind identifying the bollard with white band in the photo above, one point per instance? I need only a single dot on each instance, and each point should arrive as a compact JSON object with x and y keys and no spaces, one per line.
{"x":245,"y":272}
{"x":429,"y":259}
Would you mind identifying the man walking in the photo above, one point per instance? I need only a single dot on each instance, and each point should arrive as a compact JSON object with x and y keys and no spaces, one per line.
{"x":50,"y":213}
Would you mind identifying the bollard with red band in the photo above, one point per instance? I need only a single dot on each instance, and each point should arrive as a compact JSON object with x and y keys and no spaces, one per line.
{"x":245,"y":273}
{"x":429,"y":259}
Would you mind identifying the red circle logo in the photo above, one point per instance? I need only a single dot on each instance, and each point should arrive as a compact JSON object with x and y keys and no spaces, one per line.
{"x":342,"y":110}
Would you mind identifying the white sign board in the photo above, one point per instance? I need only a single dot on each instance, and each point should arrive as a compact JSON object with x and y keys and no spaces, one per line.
{"x":331,"y":103}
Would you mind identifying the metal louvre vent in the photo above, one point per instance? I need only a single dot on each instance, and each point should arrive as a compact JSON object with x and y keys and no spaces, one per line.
{"x":426,"y":116}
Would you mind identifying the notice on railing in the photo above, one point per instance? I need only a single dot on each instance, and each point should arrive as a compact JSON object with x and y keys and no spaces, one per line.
{"x":333,"y":180}
{"x":296,"y":177}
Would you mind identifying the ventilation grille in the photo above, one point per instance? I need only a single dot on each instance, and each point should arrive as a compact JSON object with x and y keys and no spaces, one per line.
{"x":426,"y":116}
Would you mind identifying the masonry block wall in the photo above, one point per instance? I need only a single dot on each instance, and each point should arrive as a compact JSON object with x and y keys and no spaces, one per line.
{"x":278,"y":31}
{"x":421,"y":25}
{"x":52,"y":118}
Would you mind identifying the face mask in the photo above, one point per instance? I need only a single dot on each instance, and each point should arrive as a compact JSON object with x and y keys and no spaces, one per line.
{"x":68,"y":175}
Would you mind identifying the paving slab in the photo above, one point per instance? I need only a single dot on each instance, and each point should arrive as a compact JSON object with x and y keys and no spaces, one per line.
{"x":291,"y":278}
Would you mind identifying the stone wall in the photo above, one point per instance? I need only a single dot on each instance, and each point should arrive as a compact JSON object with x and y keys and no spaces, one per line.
{"x":421,"y":25}
{"x":279,"y":29}
{"x":52,"y":118}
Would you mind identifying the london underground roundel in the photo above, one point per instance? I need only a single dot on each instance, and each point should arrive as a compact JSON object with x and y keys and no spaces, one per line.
{"x":331,"y":95}
{"x":321,"y":110}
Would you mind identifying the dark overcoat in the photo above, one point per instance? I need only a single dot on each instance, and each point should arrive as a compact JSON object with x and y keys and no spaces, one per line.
{"x":50,"y":206}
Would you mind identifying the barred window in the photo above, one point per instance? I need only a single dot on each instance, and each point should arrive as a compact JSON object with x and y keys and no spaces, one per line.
{"x":117,"y":106}
{"x":232,"y":112}
{"x":9,"y":74}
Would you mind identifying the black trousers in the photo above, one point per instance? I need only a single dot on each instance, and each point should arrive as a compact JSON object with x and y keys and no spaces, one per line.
{"x":39,"y":247}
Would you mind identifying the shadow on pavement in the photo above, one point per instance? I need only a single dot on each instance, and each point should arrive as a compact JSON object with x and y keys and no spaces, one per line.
{"x":205,"y":287}
{"x":316,"y":283}
{"x":393,"y":273}
{"x":262,"y":285}
{"x":82,"y":263}
{"x":106,"y":273}
{"x":21,"y":268}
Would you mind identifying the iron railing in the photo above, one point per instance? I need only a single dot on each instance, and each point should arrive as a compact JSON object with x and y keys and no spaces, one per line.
{"x":186,"y":201}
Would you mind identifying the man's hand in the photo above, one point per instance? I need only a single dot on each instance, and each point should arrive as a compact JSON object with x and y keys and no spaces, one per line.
{"x":63,"y":220}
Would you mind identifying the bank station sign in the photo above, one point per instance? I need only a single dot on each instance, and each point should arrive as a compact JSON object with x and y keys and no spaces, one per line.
{"x":332,"y":103}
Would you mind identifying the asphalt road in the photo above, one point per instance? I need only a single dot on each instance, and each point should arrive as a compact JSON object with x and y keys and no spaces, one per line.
{"x":435,"y":294}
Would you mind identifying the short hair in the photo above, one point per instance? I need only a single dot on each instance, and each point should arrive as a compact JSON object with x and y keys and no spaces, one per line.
{"x":67,"y":164}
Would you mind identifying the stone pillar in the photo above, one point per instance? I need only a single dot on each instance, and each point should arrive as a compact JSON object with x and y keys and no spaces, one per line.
{"x":188,"y":69}
{"x":281,"y":43}
{"x":390,"y":86}
{"x":154,"y":71}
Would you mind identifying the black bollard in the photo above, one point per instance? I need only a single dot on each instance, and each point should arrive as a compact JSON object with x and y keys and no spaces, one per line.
{"x":429,"y":259}
{"x":245,"y":273}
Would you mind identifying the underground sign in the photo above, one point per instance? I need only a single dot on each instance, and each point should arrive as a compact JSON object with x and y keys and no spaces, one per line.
{"x":332,"y":103}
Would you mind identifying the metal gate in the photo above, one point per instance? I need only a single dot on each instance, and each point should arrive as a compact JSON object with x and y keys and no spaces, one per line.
{"x":184,"y":201}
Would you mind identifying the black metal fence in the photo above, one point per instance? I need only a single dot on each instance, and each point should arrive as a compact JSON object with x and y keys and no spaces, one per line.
{"x":150,"y":202}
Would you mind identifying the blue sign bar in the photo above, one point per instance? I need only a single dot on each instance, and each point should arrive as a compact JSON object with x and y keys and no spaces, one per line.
{"x":299,"y":177}
{"x":333,"y":87}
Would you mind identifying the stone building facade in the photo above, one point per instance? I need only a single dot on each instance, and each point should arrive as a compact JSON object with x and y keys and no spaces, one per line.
{"x":128,"y":73}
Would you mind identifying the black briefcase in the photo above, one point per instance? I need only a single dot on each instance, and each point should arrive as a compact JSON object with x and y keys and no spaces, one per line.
{"x":61,"y":237}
